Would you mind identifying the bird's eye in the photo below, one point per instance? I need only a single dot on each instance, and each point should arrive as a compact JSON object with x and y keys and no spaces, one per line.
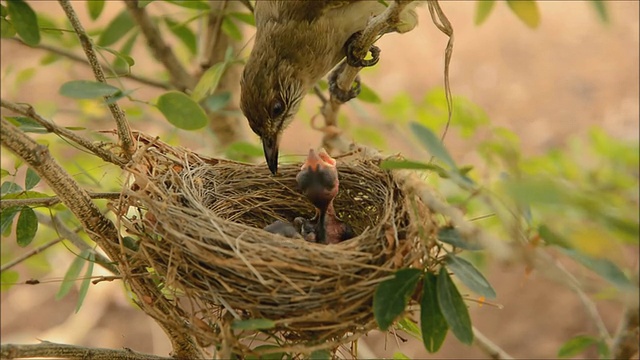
{"x":277,"y":108}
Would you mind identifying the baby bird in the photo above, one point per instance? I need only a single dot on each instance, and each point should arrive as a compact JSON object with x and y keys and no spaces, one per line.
{"x":318,"y":181}
{"x":301,"y":228}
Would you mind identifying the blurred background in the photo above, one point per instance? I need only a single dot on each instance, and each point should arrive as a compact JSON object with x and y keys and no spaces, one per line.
{"x":548,"y":85}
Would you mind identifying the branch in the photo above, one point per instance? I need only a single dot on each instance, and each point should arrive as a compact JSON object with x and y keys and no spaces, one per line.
{"x":31,"y":253}
{"x":79,"y":59}
{"x":124,"y":132}
{"x":99,"y":228}
{"x":50,"y":201}
{"x":71,"y":235}
{"x":180,"y":78}
{"x":28,"y":111}
{"x":47,"y":349}
{"x":625,"y":342}
{"x":488,"y":347}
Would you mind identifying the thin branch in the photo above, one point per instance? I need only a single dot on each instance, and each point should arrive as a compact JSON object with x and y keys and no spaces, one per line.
{"x":47,"y":349}
{"x":52,"y":200}
{"x":31,"y":253}
{"x":180,"y":78}
{"x":28,"y":111}
{"x":71,"y":235}
{"x":79,"y":59}
{"x":124,"y":131}
{"x":488,"y":347}
{"x":625,"y":342}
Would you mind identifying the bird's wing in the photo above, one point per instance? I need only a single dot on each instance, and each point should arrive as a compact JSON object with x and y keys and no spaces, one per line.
{"x":300,"y":10}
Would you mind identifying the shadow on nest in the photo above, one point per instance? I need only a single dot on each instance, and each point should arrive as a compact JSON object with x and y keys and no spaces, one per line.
{"x":199,"y":223}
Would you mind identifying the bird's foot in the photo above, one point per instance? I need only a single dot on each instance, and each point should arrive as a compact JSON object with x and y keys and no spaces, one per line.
{"x":336,"y":92}
{"x":355,"y":60}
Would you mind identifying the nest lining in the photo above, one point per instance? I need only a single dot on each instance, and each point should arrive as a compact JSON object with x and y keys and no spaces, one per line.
{"x":200,"y":228}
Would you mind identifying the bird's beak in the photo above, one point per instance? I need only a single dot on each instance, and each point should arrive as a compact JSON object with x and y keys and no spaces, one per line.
{"x":270,"y":146}
{"x":313,"y":160}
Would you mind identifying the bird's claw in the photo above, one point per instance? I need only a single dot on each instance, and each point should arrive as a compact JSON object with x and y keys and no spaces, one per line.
{"x":354,"y":60}
{"x":343,"y":95}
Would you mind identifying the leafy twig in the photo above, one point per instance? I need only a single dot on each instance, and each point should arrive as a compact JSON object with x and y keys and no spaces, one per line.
{"x":31,"y":253}
{"x":47,"y":349}
{"x":79,"y":59}
{"x":66,"y":233}
{"x":124,"y":131}
{"x":50,"y":201}
{"x":180,"y":78}
{"x":28,"y":111}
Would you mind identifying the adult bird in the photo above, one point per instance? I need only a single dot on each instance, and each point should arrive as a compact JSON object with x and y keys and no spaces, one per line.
{"x":318,"y":181}
{"x":297,"y":42}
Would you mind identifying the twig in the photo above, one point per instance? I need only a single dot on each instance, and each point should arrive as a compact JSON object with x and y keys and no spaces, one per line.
{"x":71,"y":235}
{"x":31,"y":253}
{"x":50,"y":201}
{"x":180,"y":78}
{"x":47,"y":349}
{"x":79,"y":59}
{"x":99,"y":228}
{"x":489,"y":348}
{"x":124,"y":131}
{"x":28,"y":111}
{"x":625,"y":342}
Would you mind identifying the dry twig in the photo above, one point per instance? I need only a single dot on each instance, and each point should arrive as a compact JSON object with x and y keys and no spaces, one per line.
{"x":46,"y":350}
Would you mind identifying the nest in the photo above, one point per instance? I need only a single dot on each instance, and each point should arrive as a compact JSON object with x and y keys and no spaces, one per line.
{"x":199,"y":223}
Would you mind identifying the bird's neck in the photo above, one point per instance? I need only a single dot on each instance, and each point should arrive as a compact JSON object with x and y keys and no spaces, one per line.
{"x":326,"y":219}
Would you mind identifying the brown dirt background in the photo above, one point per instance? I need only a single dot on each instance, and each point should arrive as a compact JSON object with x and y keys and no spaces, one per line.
{"x":546,"y":85}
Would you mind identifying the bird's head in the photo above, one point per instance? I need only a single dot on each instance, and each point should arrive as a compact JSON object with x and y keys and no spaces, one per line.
{"x":270,"y":96}
{"x":318,"y":179}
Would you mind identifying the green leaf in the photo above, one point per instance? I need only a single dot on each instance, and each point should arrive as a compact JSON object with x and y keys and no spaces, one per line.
{"x":190,"y":4}
{"x":72,"y":275}
{"x":400,"y":356}
{"x":131,"y":243}
{"x":85,"y":89}
{"x":217,"y":102}
{"x":432,"y":322}
{"x":526,"y":10}
{"x":407,"y":325}
{"x":368,"y":95}
{"x":6,"y":29}
{"x":123,"y":57}
{"x":84,"y":287}
{"x":413,"y":165}
{"x":183,"y":33}
{"x":246,"y":18}
{"x":208,"y":81}
{"x":4,"y":173}
{"x":27,"y":124}
{"x":552,"y":238}
{"x":253,"y":324}
{"x":231,"y":29}
{"x":32,"y":179}
{"x":392,"y":296}
{"x":603,"y":267}
{"x":3,"y":11}
{"x":181,"y":111}
{"x":270,"y":356}
{"x":601,"y":10}
{"x":120,"y":55}
{"x":453,"y":308}
{"x":483,"y":9}
{"x":95,"y":8}
{"x":242,"y":150}
{"x":6,"y":219}
{"x":451,"y":236}
{"x":8,"y":278}
{"x":24,"y":20}
{"x":433,"y":144}
{"x":116,"y":29}
{"x":9,"y":187}
{"x":143,"y":3}
{"x":320,"y":355}
{"x":470,"y":276}
{"x":26,"y":227}
{"x":576,"y":345}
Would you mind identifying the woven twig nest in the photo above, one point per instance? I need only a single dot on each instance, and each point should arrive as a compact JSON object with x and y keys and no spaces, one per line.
{"x":199,"y":222}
